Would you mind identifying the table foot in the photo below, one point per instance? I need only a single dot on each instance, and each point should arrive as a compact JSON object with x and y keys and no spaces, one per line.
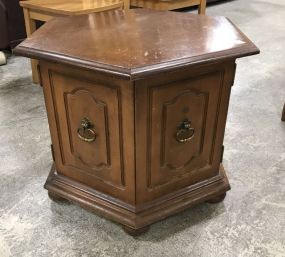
{"x":217,"y":199}
{"x":135,"y":232}
{"x":56,"y":198}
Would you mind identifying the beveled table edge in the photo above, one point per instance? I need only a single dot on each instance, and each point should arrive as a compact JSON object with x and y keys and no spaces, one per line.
{"x":139,"y":72}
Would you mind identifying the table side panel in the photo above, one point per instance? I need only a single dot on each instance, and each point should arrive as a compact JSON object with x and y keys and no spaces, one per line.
{"x":200,"y":95}
{"x":106,"y":164}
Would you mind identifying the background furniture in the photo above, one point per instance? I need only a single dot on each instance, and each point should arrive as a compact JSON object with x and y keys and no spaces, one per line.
{"x":12,"y":28}
{"x":211,"y":1}
{"x":137,"y":129}
{"x":173,"y":4}
{"x":283,"y":114}
{"x":170,"y":5}
{"x":44,"y":10}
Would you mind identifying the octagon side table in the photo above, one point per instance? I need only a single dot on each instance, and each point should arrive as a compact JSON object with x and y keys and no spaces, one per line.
{"x":137,"y":109}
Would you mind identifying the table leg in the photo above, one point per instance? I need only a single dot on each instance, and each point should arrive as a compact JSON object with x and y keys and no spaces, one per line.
{"x":202,"y":7}
{"x":135,"y":232}
{"x":30,"y":28}
{"x":126,"y":4}
{"x":283,"y":114}
{"x":217,"y":199}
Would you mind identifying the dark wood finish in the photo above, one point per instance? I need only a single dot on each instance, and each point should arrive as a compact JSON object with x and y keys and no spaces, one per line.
{"x":200,"y":95}
{"x":283,"y":113}
{"x":155,"y":137}
{"x":143,"y":46}
{"x":217,"y":199}
{"x":56,"y":198}
{"x":104,"y":164}
{"x":135,"y":232}
{"x":136,"y":217}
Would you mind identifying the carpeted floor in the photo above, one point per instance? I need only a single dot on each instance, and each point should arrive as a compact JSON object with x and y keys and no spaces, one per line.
{"x":251,"y":220}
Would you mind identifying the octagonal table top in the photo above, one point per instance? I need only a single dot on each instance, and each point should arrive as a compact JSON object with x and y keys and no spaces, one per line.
{"x":135,"y":42}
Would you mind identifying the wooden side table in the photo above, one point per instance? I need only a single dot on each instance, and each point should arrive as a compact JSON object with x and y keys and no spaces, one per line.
{"x":170,"y":4}
{"x":137,"y":107}
{"x":44,"y":10}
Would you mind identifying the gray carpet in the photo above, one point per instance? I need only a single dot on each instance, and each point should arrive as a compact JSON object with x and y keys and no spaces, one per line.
{"x":251,"y":220}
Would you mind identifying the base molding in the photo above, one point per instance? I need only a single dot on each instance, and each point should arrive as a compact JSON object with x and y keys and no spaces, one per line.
{"x":135,"y":220}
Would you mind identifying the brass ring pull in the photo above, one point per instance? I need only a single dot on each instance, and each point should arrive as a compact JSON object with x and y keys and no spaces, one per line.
{"x":185,"y":133}
{"x":86,"y":133}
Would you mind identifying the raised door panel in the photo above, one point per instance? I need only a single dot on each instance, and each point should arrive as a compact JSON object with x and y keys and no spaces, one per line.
{"x":81,"y":105}
{"x":176,"y":155}
{"x":180,"y":122}
{"x":195,"y":102}
{"x":92,"y":152}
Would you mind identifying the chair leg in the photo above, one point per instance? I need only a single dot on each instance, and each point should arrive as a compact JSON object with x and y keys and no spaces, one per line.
{"x":127,"y":4}
{"x":202,"y":7}
{"x":283,"y":114}
{"x":30,"y":29}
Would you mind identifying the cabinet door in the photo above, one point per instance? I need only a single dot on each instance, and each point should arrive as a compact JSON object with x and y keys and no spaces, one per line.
{"x":184,"y":131}
{"x":88,"y":141}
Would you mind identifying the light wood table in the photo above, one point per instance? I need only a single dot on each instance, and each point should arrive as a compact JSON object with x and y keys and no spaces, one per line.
{"x":44,"y":10}
{"x":170,"y":4}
